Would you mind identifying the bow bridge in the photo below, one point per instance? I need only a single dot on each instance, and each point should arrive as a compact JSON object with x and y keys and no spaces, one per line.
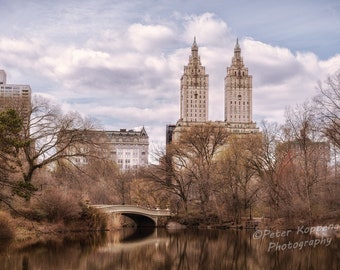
{"x":142,"y":216}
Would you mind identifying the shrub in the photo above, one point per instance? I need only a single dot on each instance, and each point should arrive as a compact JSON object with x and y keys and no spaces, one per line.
{"x":56,"y":206}
{"x":93,"y":219}
{"x":6,"y":226}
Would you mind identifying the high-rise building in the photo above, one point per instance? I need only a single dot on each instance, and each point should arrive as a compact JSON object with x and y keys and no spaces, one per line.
{"x":194,"y":89}
{"x":238,"y":96}
{"x":194,"y":97}
{"x":17,"y":96}
{"x":238,"y":90}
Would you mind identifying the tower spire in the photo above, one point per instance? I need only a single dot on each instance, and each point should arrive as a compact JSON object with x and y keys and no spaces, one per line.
{"x":237,"y":46}
{"x":194,"y":50}
{"x":237,"y":49}
{"x":237,"y":59}
{"x":194,"y":44}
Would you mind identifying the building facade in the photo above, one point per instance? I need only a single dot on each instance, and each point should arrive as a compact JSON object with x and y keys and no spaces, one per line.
{"x":238,"y":96}
{"x":238,"y":91}
{"x":194,"y":97}
{"x":194,"y":89}
{"x":128,"y":148}
{"x":17,"y":96}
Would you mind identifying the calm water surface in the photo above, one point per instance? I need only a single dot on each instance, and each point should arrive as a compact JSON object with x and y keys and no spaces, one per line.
{"x":185,"y":249}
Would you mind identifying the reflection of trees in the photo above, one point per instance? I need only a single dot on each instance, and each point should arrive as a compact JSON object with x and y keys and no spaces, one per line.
{"x":183,"y":262}
{"x":186,"y":249}
{"x":211,"y":250}
{"x":66,"y":253}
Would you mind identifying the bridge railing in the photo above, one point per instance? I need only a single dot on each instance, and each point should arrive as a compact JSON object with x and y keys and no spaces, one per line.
{"x":133,"y":208}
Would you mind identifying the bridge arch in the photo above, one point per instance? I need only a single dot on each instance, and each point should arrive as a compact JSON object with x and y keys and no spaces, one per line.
{"x":143,"y":217}
{"x":141,"y":220}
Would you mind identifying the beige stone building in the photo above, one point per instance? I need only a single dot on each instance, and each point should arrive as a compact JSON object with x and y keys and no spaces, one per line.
{"x":128,"y":148}
{"x":194,"y":97}
{"x":194,"y":89}
{"x":238,"y":96}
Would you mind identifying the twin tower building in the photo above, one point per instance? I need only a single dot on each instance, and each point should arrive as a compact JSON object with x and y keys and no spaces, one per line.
{"x":194,"y":96}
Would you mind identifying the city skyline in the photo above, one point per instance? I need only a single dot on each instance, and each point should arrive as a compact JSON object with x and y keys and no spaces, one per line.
{"x":122,"y":62}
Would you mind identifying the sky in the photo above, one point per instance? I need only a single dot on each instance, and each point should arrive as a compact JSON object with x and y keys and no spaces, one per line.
{"x":120,"y":62}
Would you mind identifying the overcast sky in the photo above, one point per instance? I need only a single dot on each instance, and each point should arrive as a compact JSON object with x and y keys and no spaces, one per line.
{"x":121,"y":61}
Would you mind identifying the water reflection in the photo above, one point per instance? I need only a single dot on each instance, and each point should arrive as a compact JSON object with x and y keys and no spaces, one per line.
{"x":161,"y":249}
{"x":138,"y":234}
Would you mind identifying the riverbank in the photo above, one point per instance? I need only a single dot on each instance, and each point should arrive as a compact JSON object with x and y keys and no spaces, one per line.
{"x":20,"y":228}
{"x":26,"y":232}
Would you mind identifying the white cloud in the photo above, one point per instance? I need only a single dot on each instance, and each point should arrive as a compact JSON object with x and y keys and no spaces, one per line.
{"x":281,"y":78}
{"x":331,"y":65}
{"x":209,"y":29}
{"x":130,"y":77}
{"x":148,"y":38}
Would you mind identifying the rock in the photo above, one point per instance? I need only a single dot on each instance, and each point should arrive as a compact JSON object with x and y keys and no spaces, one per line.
{"x":173,"y":225}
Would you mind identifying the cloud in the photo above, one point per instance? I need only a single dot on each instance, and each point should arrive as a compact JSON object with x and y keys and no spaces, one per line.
{"x":282,"y":78}
{"x":130,"y":77}
{"x":146,"y":38}
{"x":277,"y":64}
{"x":208,"y":28}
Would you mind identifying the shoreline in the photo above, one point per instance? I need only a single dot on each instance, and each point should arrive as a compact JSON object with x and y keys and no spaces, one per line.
{"x":29,"y":232}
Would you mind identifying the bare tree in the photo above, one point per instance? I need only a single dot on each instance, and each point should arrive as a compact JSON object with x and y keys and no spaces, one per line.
{"x":148,"y":194}
{"x":96,"y":181}
{"x":187,"y":169}
{"x":238,"y":185}
{"x":328,"y":102}
{"x":199,"y":146}
{"x":47,"y":138}
{"x":266,"y":158}
{"x":171,"y":175}
{"x":122,"y":186}
{"x":309,"y":153}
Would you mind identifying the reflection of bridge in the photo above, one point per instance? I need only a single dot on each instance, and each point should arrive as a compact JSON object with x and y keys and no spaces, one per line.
{"x":143,"y":217}
{"x":144,"y":237}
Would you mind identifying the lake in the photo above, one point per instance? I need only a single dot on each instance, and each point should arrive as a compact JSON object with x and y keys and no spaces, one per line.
{"x":182,"y":249}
